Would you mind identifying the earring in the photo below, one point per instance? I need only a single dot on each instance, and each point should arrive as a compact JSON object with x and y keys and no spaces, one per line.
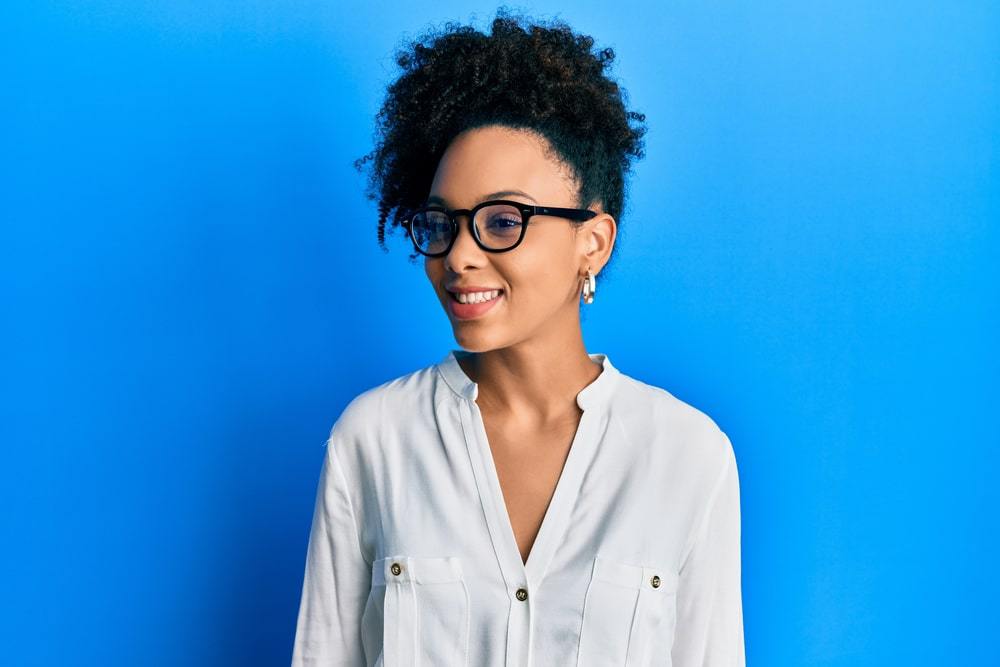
{"x":589,"y":287}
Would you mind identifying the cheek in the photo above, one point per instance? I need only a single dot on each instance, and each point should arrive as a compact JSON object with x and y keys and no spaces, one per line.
{"x":432,"y":269}
{"x":538,"y":282}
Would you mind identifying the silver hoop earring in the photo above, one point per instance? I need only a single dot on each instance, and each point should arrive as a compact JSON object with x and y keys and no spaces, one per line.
{"x":589,"y":287}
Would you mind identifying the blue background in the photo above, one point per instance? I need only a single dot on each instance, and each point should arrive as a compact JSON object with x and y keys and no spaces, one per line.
{"x":192,"y":291}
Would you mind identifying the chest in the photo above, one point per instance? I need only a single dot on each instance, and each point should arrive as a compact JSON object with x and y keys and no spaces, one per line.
{"x":529,"y":464}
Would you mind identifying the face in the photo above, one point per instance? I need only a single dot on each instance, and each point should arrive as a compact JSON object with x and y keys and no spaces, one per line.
{"x":542,"y":278}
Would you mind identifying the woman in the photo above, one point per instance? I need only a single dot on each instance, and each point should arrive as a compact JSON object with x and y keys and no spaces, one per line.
{"x":521,"y":502}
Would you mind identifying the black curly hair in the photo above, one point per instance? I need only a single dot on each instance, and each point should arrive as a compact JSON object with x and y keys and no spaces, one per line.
{"x":526,"y":74}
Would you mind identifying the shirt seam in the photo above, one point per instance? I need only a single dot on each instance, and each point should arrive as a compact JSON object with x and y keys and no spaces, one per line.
{"x":702,"y":526}
{"x":336,"y":465}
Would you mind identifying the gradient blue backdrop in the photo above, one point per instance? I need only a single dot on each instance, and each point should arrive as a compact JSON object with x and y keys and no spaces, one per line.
{"x":192,"y":291}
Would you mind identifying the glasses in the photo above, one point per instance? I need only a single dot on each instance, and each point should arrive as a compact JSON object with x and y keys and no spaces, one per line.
{"x":498,"y":225}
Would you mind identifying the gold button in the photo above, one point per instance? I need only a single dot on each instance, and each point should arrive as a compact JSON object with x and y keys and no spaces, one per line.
{"x":396,"y":569}
{"x":521,"y":594}
{"x":655,"y":581}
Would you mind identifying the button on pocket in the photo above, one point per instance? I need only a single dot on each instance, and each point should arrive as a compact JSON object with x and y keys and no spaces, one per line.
{"x":424,"y":606}
{"x":629,"y":615}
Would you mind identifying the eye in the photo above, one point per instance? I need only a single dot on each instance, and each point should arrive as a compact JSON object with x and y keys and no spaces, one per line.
{"x":504,"y":222}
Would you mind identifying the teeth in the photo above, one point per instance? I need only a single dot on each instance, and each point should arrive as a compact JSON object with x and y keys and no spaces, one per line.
{"x":477,"y":297}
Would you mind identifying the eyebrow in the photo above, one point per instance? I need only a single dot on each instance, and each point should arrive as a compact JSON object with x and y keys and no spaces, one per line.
{"x":434,"y":199}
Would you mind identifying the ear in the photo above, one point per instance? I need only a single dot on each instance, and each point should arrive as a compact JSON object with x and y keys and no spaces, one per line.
{"x":595,"y":241}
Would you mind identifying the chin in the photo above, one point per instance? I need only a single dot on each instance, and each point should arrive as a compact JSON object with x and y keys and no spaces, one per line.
{"x":476,"y":343}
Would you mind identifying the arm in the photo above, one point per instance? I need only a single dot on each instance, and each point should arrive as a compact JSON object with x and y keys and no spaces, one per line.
{"x":709,"y":630}
{"x":337,"y":577}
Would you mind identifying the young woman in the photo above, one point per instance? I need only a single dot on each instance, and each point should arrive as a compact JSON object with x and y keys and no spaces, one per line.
{"x":522,"y":501}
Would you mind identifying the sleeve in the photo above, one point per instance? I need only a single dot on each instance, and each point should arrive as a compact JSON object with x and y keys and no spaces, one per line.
{"x":337,"y":578}
{"x":709,"y":630}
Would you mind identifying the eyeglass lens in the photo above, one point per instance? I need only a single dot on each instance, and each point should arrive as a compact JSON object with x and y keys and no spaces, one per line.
{"x":498,"y":227}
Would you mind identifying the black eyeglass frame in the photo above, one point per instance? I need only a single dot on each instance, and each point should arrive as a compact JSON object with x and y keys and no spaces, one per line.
{"x":527,"y":210}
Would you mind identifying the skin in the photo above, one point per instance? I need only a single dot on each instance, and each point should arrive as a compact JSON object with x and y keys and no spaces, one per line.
{"x":530,"y":360}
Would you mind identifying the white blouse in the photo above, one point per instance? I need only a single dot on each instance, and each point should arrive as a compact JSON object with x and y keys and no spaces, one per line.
{"x":412,"y":559}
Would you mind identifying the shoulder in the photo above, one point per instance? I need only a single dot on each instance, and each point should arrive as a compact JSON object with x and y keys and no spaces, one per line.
{"x":394,"y":400}
{"x":653,"y":416}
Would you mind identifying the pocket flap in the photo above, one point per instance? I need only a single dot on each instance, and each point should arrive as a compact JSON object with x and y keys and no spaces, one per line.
{"x":649,"y":577}
{"x":416,"y":569}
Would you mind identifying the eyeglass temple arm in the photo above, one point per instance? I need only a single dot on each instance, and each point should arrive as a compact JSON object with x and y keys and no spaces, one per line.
{"x":572,"y":213}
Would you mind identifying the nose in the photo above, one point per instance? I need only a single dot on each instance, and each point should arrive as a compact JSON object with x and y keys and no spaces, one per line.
{"x":464,"y":250}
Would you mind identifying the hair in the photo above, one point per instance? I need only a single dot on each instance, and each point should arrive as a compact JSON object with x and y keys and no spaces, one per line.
{"x":526,"y":74}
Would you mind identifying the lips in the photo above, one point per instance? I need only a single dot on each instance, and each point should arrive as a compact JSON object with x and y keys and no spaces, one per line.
{"x":469,"y":311}
{"x":465,"y":289}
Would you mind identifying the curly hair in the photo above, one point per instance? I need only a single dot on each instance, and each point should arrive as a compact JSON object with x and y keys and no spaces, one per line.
{"x":525,"y":74}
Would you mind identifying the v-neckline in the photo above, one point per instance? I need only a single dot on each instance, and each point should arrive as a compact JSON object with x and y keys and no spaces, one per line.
{"x":591,"y":399}
{"x":555,"y":520}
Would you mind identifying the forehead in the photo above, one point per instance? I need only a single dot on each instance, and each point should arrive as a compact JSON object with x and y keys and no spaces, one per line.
{"x":497,"y":162}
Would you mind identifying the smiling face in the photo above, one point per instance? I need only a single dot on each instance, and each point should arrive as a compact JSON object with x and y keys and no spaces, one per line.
{"x":541,"y":279}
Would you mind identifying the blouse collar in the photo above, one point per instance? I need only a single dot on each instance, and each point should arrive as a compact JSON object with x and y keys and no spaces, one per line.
{"x":594,"y":394}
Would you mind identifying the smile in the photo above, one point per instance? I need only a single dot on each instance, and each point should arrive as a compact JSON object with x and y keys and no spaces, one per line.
{"x":479,"y":306}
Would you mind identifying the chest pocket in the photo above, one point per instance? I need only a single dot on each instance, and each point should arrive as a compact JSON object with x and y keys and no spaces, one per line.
{"x":629,"y":615}
{"x":423,"y":603}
